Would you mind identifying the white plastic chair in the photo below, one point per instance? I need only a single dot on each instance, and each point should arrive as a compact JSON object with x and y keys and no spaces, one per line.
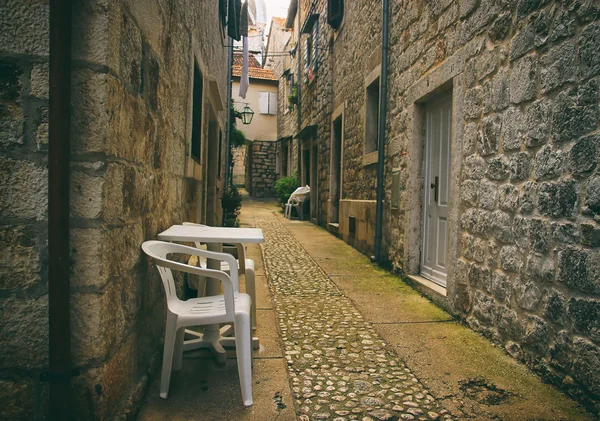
{"x":245,"y":267}
{"x":296,"y":200}
{"x":232,"y":306}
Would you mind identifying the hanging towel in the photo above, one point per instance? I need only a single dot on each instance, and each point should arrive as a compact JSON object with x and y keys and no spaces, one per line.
{"x":244,"y":20}
{"x":233,"y":19}
{"x":245,"y":79}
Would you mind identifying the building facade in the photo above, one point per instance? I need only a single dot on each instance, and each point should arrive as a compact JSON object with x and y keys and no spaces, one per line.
{"x":491,"y":186}
{"x":148,"y":128}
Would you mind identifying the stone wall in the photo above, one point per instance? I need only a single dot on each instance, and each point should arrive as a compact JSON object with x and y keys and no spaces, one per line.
{"x":260,"y":168}
{"x":239,"y":165}
{"x":525,"y":235}
{"x":130,"y":158}
{"x":23,"y":208}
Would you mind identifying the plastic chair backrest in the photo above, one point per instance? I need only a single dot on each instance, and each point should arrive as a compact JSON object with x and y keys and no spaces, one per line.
{"x":300,"y":191}
{"x":158,"y":251}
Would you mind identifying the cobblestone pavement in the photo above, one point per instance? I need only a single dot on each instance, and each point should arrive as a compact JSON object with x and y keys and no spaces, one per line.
{"x":340,"y":368}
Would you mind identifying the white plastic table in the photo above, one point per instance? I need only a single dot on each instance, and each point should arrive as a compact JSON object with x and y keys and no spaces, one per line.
{"x":214,"y":338}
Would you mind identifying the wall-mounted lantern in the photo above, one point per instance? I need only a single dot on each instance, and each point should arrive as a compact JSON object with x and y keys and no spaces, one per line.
{"x":246,"y":115}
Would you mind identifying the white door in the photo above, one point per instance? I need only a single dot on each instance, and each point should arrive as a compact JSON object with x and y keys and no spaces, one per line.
{"x":438,"y":129}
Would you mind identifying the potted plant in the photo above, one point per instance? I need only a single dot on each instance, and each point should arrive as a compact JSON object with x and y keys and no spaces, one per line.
{"x":293,"y":98}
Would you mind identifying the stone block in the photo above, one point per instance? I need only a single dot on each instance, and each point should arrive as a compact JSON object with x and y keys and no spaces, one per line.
{"x":31,"y":20}
{"x":528,"y":295}
{"x":510,"y":259}
{"x":492,"y":125}
{"x":537,"y":123}
{"x":564,"y":25}
{"x":24,"y":333}
{"x":555,"y":307}
{"x":539,"y":269}
{"x":89,"y":119}
{"x":538,"y":230}
{"x":586,"y":364}
{"x":512,"y":129}
{"x":519,"y":166}
{"x":498,"y":168}
{"x":501,"y":286}
{"x":525,"y":7}
{"x":542,"y":25}
{"x":573,"y":270}
{"x":96,"y":31}
{"x":113,"y":192}
{"x":25,"y":186}
{"x":121,"y":247}
{"x":590,"y":235}
{"x":19,"y":258}
{"x":466,"y":244}
{"x":508,"y":323}
{"x":17,"y":399}
{"x":558,"y":66}
{"x":583,"y":156}
{"x":130,"y":54}
{"x":575,"y":112}
{"x":144,"y":191}
{"x":584,"y":313}
{"x":487,"y":196}
{"x":474,"y":168}
{"x":471,"y":137}
{"x":486,"y":63}
{"x":527,"y":197}
{"x":119,"y":372}
{"x":508,"y":198}
{"x":536,"y":335}
{"x":548,"y":163}
{"x":589,"y":50}
{"x":88,"y":269}
{"x":558,"y":199}
{"x":501,"y":27}
{"x":40,"y":80}
{"x":501,"y":227}
{"x":522,"y":42}
{"x":523,"y":80}
{"x":469,"y":192}
{"x":12,"y":120}
{"x":86,"y":195}
{"x":592,"y":196}
{"x":564,"y":232}
{"x":499,"y":95}
{"x":473,"y":102}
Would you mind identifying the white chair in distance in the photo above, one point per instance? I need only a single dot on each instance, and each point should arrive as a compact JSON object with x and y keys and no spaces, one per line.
{"x":296,"y":200}
{"x":231,"y":306}
{"x":245,"y":267}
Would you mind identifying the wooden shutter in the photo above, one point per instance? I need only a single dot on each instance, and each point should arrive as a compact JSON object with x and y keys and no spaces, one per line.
{"x":263,"y":102}
{"x":335,"y":13}
{"x":273,"y":103}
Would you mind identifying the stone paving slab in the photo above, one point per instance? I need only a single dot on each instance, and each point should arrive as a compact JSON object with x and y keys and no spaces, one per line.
{"x":340,"y":368}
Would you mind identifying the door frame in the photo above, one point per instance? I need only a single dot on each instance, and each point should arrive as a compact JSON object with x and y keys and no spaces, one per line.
{"x":334,"y":208}
{"x":446,"y":80}
{"x":433,"y":103}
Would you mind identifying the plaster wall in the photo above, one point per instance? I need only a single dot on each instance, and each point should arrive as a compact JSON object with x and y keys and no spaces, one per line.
{"x":263,"y":126}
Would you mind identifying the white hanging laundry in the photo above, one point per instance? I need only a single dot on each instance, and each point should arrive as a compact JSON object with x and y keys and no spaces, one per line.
{"x":245,"y":79}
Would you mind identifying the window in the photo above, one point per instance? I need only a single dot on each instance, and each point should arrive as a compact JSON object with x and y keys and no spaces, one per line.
{"x":335,"y":13}
{"x":197,"y":114}
{"x":311,"y":28}
{"x":372,"y":117}
{"x":267,"y":103}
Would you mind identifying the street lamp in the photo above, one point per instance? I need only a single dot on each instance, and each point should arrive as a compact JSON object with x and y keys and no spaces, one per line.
{"x":247,"y":114}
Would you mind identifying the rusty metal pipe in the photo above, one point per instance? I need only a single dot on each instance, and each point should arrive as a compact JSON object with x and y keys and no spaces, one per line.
{"x":59,"y":310}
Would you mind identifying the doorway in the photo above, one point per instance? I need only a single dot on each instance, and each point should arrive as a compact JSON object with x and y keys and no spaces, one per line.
{"x":314,"y":156}
{"x":436,"y":192}
{"x":336,"y":170}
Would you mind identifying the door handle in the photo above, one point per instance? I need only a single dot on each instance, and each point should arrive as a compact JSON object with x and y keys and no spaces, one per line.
{"x":435,"y":186}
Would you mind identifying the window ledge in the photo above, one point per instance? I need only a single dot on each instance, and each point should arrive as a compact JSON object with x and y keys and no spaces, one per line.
{"x":370,"y":158}
{"x":193,"y":169}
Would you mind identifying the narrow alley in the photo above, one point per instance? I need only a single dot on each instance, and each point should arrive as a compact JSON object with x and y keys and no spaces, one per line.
{"x":330,"y":350}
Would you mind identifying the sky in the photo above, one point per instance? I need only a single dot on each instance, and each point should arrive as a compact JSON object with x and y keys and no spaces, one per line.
{"x":277,"y":8}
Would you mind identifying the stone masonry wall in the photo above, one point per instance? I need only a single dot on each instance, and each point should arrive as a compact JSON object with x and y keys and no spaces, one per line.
{"x":23,"y":208}
{"x":260,"y":168}
{"x":527,"y":89}
{"x":130,"y":106}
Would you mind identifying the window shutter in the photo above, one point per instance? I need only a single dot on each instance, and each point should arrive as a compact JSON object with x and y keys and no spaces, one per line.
{"x":273,"y":103}
{"x":315,"y":45}
{"x":335,"y":13}
{"x":263,"y":102}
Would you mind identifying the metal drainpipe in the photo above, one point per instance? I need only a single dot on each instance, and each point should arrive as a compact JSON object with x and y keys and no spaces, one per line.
{"x":229,"y":116}
{"x":299,"y":84}
{"x":382,"y":118}
{"x":59,"y":298}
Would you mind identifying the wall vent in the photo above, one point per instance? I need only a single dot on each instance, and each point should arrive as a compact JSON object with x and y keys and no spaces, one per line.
{"x":352,"y":225}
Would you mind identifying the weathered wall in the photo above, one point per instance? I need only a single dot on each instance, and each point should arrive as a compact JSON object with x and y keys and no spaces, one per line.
{"x":525,"y":104}
{"x":263,"y":126}
{"x":260,"y":168}
{"x":130,"y":140}
{"x":23,"y":208}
